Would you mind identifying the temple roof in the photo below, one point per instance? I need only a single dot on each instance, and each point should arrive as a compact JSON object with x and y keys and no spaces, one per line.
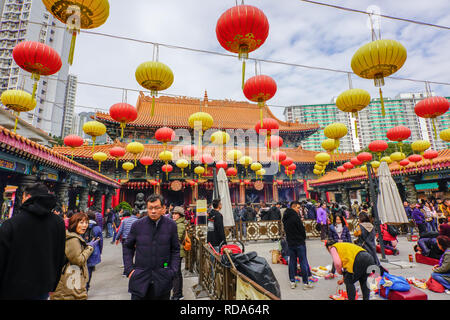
{"x":299,"y":155}
{"x":333,"y":177}
{"x":227,"y":114}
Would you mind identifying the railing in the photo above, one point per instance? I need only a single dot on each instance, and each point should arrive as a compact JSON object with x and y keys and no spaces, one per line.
{"x":215,"y":280}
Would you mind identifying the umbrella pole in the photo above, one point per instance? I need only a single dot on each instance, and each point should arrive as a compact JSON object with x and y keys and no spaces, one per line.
{"x":374,"y":198}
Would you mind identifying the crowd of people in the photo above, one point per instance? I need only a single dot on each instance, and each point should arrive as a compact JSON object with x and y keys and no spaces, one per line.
{"x":50,"y":253}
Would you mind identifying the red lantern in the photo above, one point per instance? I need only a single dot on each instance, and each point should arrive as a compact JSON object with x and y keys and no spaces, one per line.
{"x":123,"y":113}
{"x":292,"y":167}
{"x":274,"y":142}
{"x":364,"y":157}
{"x":287,"y":162}
{"x":432,"y":107}
{"x":430,"y":155}
{"x":167,"y":168}
{"x":378,"y":146}
{"x":221,"y":164}
{"x":341,"y":169}
{"x":348,"y":166}
{"x":242,"y":29}
{"x":404,"y":163}
{"x":146,"y":161}
{"x":37,"y":58}
{"x":189,"y":151}
{"x":398,"y":134}
{"x":207,"y":159}
{"x":268,"y":124}
{"x":280,"y":182}
{"x":260,"y":89}
{"x":231,"y":172}
{"x":356,"y":162}
{"x":117,"y":152}
{"x":73,"y":141}
{"x":415,"y":158}
{"x":164,"y":135}
{"x":247,"y":182}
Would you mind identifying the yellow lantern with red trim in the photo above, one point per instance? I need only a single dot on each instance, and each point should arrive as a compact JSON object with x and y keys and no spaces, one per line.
{"x":94,"y":129}
{"x":99,"y":157}
{"x":18,"y":101}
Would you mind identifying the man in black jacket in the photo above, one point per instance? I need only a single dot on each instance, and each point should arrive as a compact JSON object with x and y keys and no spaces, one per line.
{"x":296,"y":236}
{"x":32,"y":245}
{"x":216,"y":231}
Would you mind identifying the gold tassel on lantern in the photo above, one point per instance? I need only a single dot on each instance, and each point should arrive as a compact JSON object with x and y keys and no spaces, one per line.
{"x":243,"y":73}
{"x":383,"y":112}
{"x":72,"y":46}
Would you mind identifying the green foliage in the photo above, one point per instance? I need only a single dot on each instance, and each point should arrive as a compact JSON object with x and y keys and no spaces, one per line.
{"x":392,"y":147}
{"x":123,"y":205}
{"x":59,"y":141}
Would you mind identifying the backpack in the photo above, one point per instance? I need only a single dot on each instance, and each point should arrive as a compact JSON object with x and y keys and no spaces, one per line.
{"x":393,"y":231}
{"x":116,"y":219}
{"x":187,"y":243}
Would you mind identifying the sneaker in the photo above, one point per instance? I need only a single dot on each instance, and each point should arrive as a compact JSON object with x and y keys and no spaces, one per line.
{"x":447,"y":291}
{"x":307,"y":286}
{"x":293,"y":285}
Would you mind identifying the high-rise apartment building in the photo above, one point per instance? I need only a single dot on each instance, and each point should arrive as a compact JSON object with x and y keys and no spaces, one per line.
{"x":69,"y":106}
{"x":84,"y":117}
{"x":26,"y":20}
{"x":371,"y":123}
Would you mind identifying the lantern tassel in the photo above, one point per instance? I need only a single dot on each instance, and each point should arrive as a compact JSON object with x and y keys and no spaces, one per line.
{"x":93,"y":143}
{"x":72,"y":46}
{"x":146,"y":167}
{"x":34,"y":88}
{"x":99,"y":166}
{"x":117,"y":163}
{"x":153,"y":106}
{"x":15,"y":124}
{"x":243,"y":73}
{"x":383,"y":112}
{"x":122,"y":126}
{"x":434,"y":128}
{"x":73,"y":149}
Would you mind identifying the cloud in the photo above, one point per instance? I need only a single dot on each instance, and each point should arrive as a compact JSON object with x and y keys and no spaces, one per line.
{"x":300,"y":33}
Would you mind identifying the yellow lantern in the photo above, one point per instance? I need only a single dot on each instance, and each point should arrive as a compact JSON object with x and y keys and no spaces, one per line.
{"x":135,"y":148}
{"x":234,"y":155}
{"x":94,"y":129}
{"x":420,"y":146}
{"x":182,"y":164}
{"x":353,"y":100}
{"x":220,"y":138}
{"x":199,"y":170}
{"x":18,"y":101}
{"x":335,"y":131}
{"x":99,"y":157}
{"x":200,"y":121}
{"x":397,"y":156}
{"x":256,"y":166}
{"x":375,"y":164}
{"x":317,"y":172}
{"x":260,"y":173}
{"x":322,"y":157}
{"x":318,"y":167}
{"x":78,"y":14}
{"x":154,"y":76}
{"x":445,"y":135}
{"x":329,"y":145}
{"x":245,"y":161}
{"x":386,"y":159}
{"x":377,"y":60}
{"x":128,"y":166}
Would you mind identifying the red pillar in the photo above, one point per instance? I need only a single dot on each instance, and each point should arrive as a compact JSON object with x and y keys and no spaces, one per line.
{"x":305,"y":187}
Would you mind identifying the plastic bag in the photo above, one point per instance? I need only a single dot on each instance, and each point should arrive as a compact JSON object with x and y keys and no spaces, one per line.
{"x":396,"y":283}
{"x":256,"y":268}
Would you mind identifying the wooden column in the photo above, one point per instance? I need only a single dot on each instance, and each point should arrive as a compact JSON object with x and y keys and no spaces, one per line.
{"x":275,"y":192}
{"x":241,"y":193}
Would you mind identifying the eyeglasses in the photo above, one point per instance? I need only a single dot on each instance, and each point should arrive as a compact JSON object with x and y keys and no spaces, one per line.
{"x":154,"y":208}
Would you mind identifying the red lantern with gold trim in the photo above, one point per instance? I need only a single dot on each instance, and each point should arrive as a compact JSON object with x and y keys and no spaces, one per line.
{"x":242,"y":29}
{"x":378,"y":146}
{"x":146,"y":161}
{"x":260,"y":89}
{"x":37,"y":58}
{"x":231,"y":172}
{"x":432,"y":107}
{"x":73,"y":141}
{"x":164,"y":135}
{"x":415,"y":158}
{"x":430,"y":155}
{"x":399,"y":134}
{"x":348,"y":166}
{"x":123,"y":113}
{"x":117,"y":152}
{"x":341,"y":169}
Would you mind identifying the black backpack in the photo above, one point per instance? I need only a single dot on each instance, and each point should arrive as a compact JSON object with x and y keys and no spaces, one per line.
{"x":393,"y":231}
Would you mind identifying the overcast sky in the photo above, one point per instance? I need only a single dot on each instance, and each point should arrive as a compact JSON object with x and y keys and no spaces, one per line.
{"x":299,"y":33}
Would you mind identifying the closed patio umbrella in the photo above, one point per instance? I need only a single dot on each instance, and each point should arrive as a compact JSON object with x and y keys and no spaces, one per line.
{"x":224,"y":196}
{"x":389,"y":204}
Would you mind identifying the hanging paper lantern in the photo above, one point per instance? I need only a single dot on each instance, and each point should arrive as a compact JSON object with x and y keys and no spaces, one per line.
{"x":415,"y":158}
{"x":397,"y":156}
{"x":260,"y":173}
{"x":221,"y":164}
{"x":399,"y":134}
{"x":154,"y":76}
{"x":127,"y":166}
{"x":348,"y":166}
{"x":375,"y":164}
{"x":189,"y":151}
{"x":94,"y":129}
{"x":73,"y":141}
{"x":167,"y":168}
{"x":278,"y":157}
{"x":99,"y":157}
{"x":329,"y":145}
{"x":432,"y":107}
{"x":356,"y":162}
{"x":256,"y":166}
{"x":322,"y":157}
{"x":220,"y":137}
{"x":234,"y":155}
{"x":386,"y":159}
{"x":353,"y":101}
{"x":341,"y":169}
{"x":287,"y":162}
{"x":200,"y":121}
{"x":245,"y":161}
{"x":18,"y":101}
{"x":182,"y":164}
{"x":377,"y":60}
{"x":123,"y":113}
{"x":292,"y":167}
{"x":117,"y":152}
{"x":199,"y":170}
{"x":335,"y":131}
{"x":404,"y":163}
{"x":317,"y":172}
{"x":420,"y":146}
{"x":364,"y":168}
{"x":268,"y":127}
{"x":207,"y":159}
{"x":274,"y":142}
{"x":135,"y":148}
{"x":242,"y":29}
{"x":146,"y":161}
{"x":319,"y":167}
{"x":231,"y":172}
{"x":430,"y":155}
{"x":364,"y":157}
{"x":164,"y":135}
{"x":445,"y":135}
{"x":78,"y":14}
{"x":378,"y":146}
{"x":37,"y":58}
{"x":260,"y":89}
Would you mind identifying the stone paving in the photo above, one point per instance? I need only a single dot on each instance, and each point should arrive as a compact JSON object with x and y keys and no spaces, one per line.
{"x":108,"y":283}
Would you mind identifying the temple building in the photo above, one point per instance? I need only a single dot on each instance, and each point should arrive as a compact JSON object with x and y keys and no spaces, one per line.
{"x":238,"y":119}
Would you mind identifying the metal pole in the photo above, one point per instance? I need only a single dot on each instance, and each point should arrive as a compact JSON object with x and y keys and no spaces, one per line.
{"x":374,"y":198}
{"x":216,"y":187}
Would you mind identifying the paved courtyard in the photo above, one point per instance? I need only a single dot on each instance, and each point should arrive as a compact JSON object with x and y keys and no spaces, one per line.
{"x":109,"y":284}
